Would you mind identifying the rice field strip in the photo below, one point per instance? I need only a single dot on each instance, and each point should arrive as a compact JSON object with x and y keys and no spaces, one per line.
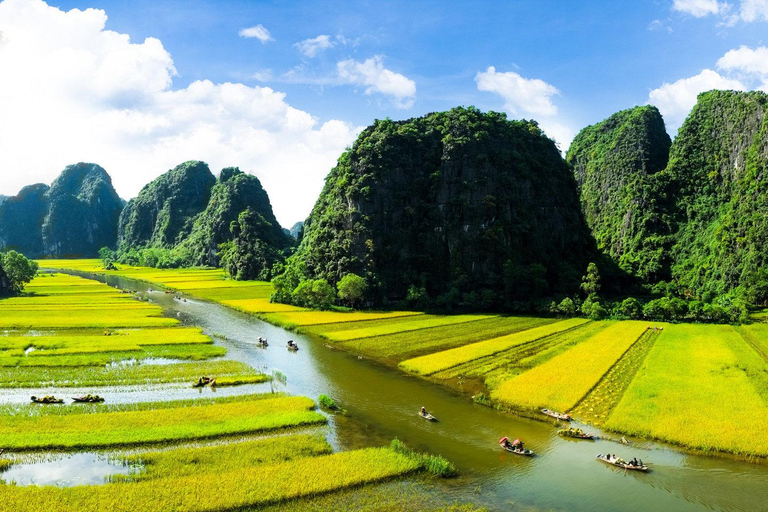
{"x":153,"y":426}
{"x":597,"y":405}
{"x":228,"y":489}
{"x":117,"y":375}
{"x":444,"y":360}
{"x":409,"y":345}
{"x":748,"y":334}
{"x":521,"y":357}
{"x":565,"y":379}
{"x":408,"y":326}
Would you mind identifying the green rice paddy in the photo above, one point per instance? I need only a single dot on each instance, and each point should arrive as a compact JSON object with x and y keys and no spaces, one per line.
{"x":702,"y":386}
{"x":73,"y":332}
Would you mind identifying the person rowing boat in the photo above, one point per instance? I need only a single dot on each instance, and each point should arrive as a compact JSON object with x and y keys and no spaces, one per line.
{"x":516,"y":447}
{"x":634,"y":464}
{"x":424,"y":414}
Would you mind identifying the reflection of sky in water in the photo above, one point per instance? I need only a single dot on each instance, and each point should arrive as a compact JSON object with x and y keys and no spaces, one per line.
{"x":382,"y":404}
{"x":65,"y":470}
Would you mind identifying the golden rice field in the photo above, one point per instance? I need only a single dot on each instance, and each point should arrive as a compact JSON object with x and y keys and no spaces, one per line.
{"x":224,"y":487}
{"x":703,"y":386}
{"x":563,"y":380}
{"x":433,"y":363}
{"x":697,"y":388}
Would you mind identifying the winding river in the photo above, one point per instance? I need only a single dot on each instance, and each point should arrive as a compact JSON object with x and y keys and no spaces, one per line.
{"x":382,"y":403}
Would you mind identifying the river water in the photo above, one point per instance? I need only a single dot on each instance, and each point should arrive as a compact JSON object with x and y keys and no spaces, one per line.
{"x":382,"y":403}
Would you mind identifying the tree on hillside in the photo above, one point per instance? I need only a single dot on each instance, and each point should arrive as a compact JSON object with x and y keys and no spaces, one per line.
{"x":590,"y":283}
{"x":352,"y":288}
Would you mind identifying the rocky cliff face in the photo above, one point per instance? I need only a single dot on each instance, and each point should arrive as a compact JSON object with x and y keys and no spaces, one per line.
{"x":164,"y":211}
{"x":613,"y":163}
{"x":714,"y":193}
{"x":74,"y":217}
{"x":21,"y":220}
{"x":83,"y":211}
{"x":455,"y":200}
{"x":234,"y":193}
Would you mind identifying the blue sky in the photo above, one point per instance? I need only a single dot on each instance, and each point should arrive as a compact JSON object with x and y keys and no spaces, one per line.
{"x":565,"y":63}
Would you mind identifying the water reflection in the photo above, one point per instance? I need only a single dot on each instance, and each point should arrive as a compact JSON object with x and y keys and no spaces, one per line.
{"x":66,"y":470}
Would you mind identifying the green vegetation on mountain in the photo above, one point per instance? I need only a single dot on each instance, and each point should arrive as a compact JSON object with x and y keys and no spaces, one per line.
{"x":83,"y":212}
{"x":717,"y":188}
{"x":164,"y":211}
{"x":239,"y":212}
{"x":187,"y":217}
{"x":457,"y":206}
{"x":76,"y":216}
{"x":613,"y":162}
{"x":21,"y":220}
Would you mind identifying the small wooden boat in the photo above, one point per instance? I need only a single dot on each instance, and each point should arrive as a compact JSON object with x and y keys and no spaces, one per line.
{"x":87,"y":399}
{"x":575,"y":433}
{"x":525,"y":452}
{"x":47,"y":400}
{"x":557,"y":415}
{"x":513,"y":447}
{"x":293,"y":346}
{"x":204,"y":381}
{"x":620,"y":463}
{"x":427,"y":416}
{"x":262,"y":343}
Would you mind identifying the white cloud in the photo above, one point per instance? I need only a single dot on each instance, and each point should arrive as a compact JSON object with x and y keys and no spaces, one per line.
{"x":259,"y":32}
{"x":376,"y":78}
{"x":754,"y":10}
{"x":529,"y":97}
{"x":311,"y":47}
{"x":521,"y":95}
{"x":697,"y":8}
{"x":745,"y":60}
{"x":676,"y":100}
{"x":73,"y":91}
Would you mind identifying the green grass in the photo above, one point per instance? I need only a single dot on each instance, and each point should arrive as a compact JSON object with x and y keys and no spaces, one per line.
{"x":127,"y":428}
{"x":433,"y":363}
{"x":564,"y":380}
{"x":417,"y":323}
{"x":701,"y":386}
{"x":247,"y":454}
{"x":119,"y":375}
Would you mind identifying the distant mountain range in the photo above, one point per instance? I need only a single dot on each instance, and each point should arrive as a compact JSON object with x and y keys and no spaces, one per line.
{"x":460,"y":203}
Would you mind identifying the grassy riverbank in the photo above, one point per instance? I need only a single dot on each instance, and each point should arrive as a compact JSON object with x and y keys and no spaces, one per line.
{"x":700,"y":386}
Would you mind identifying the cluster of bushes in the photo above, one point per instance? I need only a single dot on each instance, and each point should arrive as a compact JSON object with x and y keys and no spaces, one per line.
{"x":156,"y":257}
{"x":291,"y":287}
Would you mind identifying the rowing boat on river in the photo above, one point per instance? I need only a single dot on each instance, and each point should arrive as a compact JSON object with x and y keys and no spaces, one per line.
{"x":620,"y":463}
{"x":557,"y":415}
